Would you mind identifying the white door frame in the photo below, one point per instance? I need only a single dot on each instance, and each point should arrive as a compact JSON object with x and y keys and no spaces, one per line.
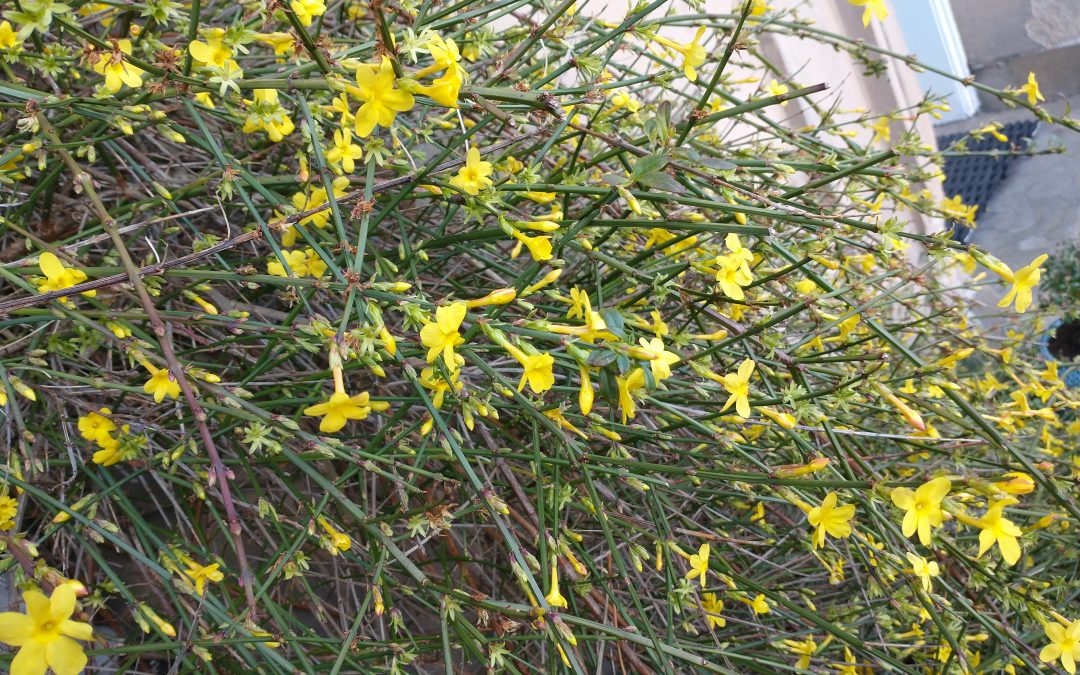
{"x":930,"y":32}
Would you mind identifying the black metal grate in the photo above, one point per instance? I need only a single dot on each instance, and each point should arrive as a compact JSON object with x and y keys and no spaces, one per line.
{"x":976,"y":177}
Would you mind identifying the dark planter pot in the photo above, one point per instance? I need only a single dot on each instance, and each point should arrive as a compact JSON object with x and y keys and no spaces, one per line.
{"x":1061,"y":343}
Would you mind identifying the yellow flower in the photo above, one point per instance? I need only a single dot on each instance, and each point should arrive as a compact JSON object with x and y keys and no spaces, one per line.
{"x":759,"y":604}
{"x":733,"y":274}
{"x":580,"y":305}
{"x":339,"y":540}
{"x":924,"y":569}
{"x":473,"y":176}
{"x":345,"y":152}
{"x":97,"y":427}
{"x":956,"y":209}
{"x":111,"y":451}
{"x":445,"y":53}
{"x":9,"y":38}
{"x":265,"y":113}
{"x":738,"y":385}
{"x":9,"y":508}
{"x":848,"y":667}
{"x":445,"y":89}
{"x":874,"y":8}
{"x":432,"y":379}
{"x":804,"y":650}
{"x":1023,"y":280}
{"x":777,"y":89}
{"x":693,"y":53}
{"x":282,"y":43}
{"x":554,"y":597}
{"x":627,"y":386}
{"x":302,"y":201}
{"x":58,"y":277}
{"x":738,"y":251}
{"x":759,"y":7}
{"x":441,"y":335}
{"x":699,"y":564}
{"x":538,"y":372}
{"x":200,"y":574}
{"x":661,"y":365}
{"x":1064,"y":644}
{"x":830,"y":519}
{"x":713,"y":606}
{"x":203,"y":98}
{"x":881,"y":129}
{"x":993,"y":128}
{"x":307,"y":10}
{"x":160,"y":383}
{"x":46,"y":635}
{"x":375,"y":86}
{"x":302,"y":263}
{"x":539,"y":247}
{"x":116,"y":70}
{"x":213,"y":53}
{"x":341,"y":408}
{"x":923,"y":507}
{"x":997,"y":528}
{"x":1031,"y":89}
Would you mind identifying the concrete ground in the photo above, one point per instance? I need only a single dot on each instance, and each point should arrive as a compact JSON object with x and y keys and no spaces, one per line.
{"x":1038,"y":207}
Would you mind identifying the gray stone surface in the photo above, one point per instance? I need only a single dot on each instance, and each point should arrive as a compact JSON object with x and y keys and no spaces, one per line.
{"x":1006,"y":39}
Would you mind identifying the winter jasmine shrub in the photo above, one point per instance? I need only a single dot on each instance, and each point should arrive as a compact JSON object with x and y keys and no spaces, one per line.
{"x":440,"y":336}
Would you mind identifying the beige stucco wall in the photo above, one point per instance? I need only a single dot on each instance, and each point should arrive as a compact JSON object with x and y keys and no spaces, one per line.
{"x":812,"y":62}
{"x":809,"y":62}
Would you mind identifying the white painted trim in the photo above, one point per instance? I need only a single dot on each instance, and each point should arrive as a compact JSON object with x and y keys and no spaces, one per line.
{"x":930,"y":30}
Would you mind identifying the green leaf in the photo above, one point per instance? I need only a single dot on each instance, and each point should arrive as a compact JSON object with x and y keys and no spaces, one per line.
{"x":650,"y":164}
{"x":614,"y":321}
{"x":660,"y":180}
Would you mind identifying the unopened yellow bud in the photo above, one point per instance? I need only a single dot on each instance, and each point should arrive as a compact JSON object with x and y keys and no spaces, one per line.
{"x":910,"y":415}
{"x":1018,"y":484}
{"x":339,"y":541}
{"x":539,"y":225}
{"x":393,"y":286}
{"x":793,"y":470}
{"x":64,"y":516}
{"x":389,"y":343}
{"x":162,"y":625}
{"x":958,"y":355}
{"x":715,"y":335}
{"x":586,"y":395}
{"x":830,"y":264}
{"x":499,"y":296}
{"x":606,"y":433}
{"x":549,"y":278}
{"x":162,"y":190}
{"x":993,"y":264}
{"x":379,"y":606}
{"x":23,"y":389}
{"x":783,"y":419}
{"x":207,"y":307}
